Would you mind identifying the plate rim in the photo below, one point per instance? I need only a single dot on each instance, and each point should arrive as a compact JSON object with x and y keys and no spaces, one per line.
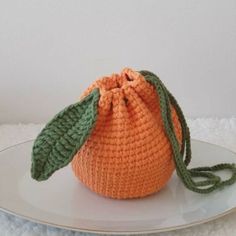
{"x":115,"y":232}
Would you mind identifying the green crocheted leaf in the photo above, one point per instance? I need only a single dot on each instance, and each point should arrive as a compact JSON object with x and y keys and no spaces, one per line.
{"x":63,"y":136}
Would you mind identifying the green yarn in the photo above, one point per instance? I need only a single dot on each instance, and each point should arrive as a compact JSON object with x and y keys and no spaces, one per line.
{"x":212,"y":181}
{"x":63,"y":136}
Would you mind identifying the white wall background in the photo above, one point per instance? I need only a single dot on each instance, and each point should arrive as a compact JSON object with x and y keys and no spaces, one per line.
{"x":51,"y":50}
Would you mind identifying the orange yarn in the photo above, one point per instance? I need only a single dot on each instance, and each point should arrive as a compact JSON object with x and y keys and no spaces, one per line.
{"x":128,"y":154}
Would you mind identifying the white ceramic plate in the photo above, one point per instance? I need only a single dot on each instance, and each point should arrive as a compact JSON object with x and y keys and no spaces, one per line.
{"x":64,"y":202}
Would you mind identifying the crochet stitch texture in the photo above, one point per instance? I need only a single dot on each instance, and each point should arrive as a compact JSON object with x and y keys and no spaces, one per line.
{"x":128,"y":153}
{"x":124,"y":138}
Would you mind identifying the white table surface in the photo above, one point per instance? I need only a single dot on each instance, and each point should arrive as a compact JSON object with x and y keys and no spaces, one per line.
{"x":218,"y":131}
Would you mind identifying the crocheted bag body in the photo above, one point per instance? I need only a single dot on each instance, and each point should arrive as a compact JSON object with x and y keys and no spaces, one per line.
{"x":124,"y":138}
{"x":128,"y":154}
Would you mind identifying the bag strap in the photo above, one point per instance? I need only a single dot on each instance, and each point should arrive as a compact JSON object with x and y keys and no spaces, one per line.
{"x":182,"y":156}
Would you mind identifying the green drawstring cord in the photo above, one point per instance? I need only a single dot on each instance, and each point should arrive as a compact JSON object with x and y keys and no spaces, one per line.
{"x":211,"y":181}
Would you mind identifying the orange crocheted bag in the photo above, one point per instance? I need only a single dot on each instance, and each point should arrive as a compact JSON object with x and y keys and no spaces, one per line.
{"x":124,"y":138}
